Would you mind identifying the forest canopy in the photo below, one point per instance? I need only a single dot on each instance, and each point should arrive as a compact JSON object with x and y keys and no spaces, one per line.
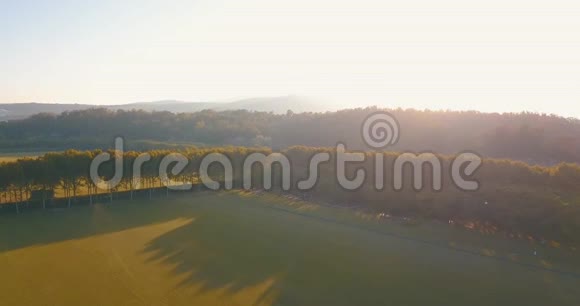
{"x":533,"y":138}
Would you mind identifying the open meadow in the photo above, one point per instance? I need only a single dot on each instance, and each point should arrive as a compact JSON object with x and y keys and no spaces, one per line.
{"x":240,"y":248}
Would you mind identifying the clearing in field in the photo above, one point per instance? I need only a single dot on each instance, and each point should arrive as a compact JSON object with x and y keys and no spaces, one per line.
{"x":243,"y":249}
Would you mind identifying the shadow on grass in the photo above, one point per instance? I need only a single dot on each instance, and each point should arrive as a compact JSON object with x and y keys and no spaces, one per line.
{"x":318,"y":263}
{"x":235,"y":244}
{"x":45,"y":227}
{"x":229,"y":248}
{"x":243,"y":245}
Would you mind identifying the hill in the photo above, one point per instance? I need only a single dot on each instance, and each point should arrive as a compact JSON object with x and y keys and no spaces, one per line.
{"x":277,"y":105}
{"x":14,"y":111}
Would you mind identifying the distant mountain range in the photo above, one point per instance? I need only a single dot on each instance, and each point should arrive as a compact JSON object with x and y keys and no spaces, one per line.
{"x":279,"y":105}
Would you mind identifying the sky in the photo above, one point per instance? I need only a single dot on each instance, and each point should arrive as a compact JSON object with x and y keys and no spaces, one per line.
{"x":492,"y":56}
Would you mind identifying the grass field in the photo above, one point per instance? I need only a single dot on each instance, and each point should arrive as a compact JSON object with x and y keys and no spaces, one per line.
{"x":243,"y":249}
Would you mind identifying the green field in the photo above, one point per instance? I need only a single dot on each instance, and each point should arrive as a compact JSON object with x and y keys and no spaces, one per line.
{"x":232,"y":248}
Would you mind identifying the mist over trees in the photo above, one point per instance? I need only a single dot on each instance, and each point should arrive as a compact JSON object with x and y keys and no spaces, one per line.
{"x":533,"y":138}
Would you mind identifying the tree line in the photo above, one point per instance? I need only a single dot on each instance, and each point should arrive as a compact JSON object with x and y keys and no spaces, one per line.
{"x":513,"y":196}
{"x":533,"y":138}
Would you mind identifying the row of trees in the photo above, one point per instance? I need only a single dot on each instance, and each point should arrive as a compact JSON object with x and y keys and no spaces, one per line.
{"x":534,"y":138}
{"x":513,"y":196}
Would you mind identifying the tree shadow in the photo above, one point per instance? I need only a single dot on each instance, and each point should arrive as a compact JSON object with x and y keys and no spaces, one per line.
{"x":239,"y":245}
{"x":45,"y":227}
{"x":222,"y":250}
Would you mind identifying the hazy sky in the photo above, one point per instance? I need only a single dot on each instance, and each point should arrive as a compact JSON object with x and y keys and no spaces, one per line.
{"x":491,"y":56}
